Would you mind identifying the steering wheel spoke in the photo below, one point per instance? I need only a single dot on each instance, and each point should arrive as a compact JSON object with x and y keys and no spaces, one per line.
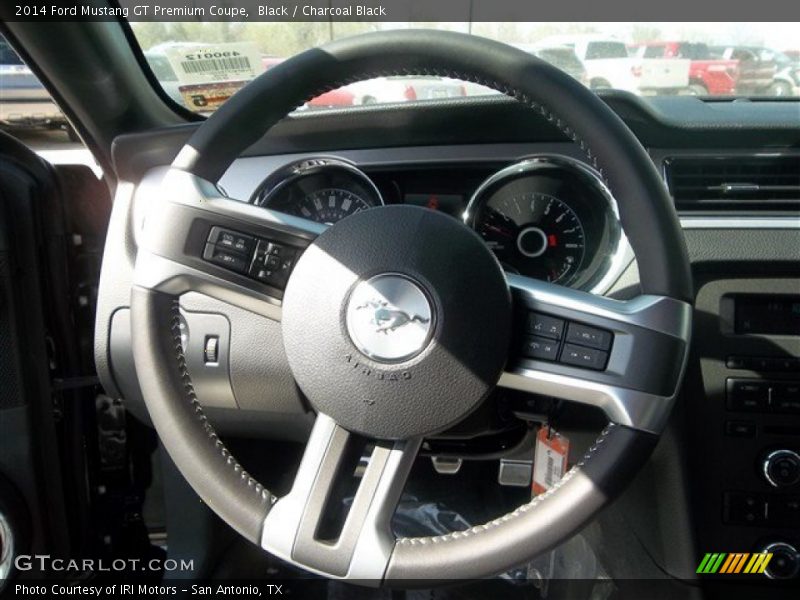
{"x":362,"y":547}
{"x":626,"y":358}
{"x":191,"y":237}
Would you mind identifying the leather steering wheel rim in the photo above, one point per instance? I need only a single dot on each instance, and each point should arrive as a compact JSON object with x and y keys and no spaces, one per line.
{"x":610,"y":147}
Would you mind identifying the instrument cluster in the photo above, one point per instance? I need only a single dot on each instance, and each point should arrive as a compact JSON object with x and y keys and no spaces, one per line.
{"x":549,"y":217}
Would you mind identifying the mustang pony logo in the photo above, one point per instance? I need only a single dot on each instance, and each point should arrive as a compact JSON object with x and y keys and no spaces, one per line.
{"x":388,"y":319}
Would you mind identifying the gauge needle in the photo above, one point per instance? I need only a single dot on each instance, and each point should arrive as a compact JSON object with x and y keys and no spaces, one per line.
{"x":499,"y":230}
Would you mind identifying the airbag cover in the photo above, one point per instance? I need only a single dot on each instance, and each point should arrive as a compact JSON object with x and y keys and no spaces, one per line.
{"x":436,"y":287}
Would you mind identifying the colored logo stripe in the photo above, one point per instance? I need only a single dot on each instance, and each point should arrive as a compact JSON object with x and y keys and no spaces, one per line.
{"x":758,"y":563}
{"x":711,"y":563}
{"x":736,"y":562}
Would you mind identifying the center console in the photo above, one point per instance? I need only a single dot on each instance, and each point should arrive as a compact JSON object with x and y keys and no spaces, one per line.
{"x":746,"y":428}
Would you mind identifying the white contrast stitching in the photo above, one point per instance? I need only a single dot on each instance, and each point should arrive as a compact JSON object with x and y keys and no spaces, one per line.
{"x":188,"y":387}
{"x":517,"y":512}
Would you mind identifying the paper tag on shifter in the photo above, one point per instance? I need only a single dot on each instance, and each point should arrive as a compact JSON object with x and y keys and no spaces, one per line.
{"x":550,"y":459}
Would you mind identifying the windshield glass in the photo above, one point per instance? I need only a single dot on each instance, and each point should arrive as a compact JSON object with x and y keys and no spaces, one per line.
{"x":201,"y":64}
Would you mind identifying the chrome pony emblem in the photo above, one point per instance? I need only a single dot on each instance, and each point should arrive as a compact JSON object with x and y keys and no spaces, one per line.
{"x":388,"y":318}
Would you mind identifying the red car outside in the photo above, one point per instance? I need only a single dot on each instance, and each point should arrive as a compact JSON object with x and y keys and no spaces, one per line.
{"x":707,"y":76}
{"x":332,"y":99}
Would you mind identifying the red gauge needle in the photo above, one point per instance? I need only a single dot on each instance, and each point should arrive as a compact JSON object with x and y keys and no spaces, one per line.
{"x":552,"y":241}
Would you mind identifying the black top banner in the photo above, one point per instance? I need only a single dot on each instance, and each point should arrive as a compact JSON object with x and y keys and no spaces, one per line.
{"x":403,"y":11}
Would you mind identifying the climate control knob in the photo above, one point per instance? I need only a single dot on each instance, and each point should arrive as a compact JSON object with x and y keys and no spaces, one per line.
{"x":782,"y":468}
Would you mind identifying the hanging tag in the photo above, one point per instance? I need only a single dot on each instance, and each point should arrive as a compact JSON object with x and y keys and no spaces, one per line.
{"x":550,"y":459}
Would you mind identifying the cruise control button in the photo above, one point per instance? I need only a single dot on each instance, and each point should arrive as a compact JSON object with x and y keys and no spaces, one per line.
{"x":231,"y":240}
{"x":539,"y":324}
{"x":540,"y":348}
{"x":589,"y":358}
{"x":272,"y":262}
{"x":589,"y":336}
{"x":225,"y":258}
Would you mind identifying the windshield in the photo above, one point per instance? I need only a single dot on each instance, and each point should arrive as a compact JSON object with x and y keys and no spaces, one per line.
{"x":202,"y":64}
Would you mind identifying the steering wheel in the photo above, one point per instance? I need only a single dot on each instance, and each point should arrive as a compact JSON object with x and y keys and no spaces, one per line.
{"x":398,"y":322}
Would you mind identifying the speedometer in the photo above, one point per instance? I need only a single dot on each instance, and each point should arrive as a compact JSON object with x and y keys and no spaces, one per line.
{"x":323,"y":189}
{"x":538,"y":226}
{"x":551,"y":217}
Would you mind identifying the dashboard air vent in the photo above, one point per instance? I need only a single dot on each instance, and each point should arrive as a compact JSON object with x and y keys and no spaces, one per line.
{"x":758,"y":182}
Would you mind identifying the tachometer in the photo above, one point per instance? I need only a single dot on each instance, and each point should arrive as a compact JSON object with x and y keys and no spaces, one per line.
{"x":552,"y":218}
{"x":321,"y":189}
{"x":536,"y":226}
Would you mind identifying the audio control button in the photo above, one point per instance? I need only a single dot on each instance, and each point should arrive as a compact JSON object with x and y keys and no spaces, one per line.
{"x":781,"y":468}
{"x":785,"y":561}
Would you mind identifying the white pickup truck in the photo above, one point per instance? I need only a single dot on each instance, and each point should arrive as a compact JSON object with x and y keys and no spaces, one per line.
{"x":608,"y":65}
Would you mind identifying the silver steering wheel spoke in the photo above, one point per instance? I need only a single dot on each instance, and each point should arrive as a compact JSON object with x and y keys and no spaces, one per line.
{"x":365,"y":542}
{"x":624,"y":357}
{"x":181,"y":219}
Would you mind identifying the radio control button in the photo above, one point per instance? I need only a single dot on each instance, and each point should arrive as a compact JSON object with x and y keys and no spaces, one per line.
{"x":747,"y":395}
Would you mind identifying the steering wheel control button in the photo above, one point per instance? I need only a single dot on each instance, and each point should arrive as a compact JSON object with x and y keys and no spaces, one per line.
{"x":588,"y":358}
{"x":232,"y":261}
{"x":231,"y":240}
{"x":747,"y":395}
{"x":264,"y":260}
{"x":589,"y":336}
{"x":389,"y":318}
{"x":272,"y":263}
{"x":540,"y":348}
{"x":545,"y":325}
{"x":384,"y":334}
{"x":781,"y":468}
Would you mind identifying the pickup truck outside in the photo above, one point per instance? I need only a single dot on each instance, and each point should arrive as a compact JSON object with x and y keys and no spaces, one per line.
{"x":608,"y":65}
{"x":707,"y":76}
{"x":756,"y":69}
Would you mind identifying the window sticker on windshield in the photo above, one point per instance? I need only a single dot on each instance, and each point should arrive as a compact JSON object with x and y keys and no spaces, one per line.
{"x":196,"y":64}
{"x":208,"y":97}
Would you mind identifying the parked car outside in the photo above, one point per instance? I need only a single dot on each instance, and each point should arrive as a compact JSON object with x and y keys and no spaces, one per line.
{"x":787,"y":77}
{"x":562,"y":57}
{"x":707,"y":76}
{"x":381,"y":90}
{"x":24,"y":101}
{"x":756,"y":70}
{"x":333,"y":99}
{"x":164,"y":73}
{"x":608,"y":65}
